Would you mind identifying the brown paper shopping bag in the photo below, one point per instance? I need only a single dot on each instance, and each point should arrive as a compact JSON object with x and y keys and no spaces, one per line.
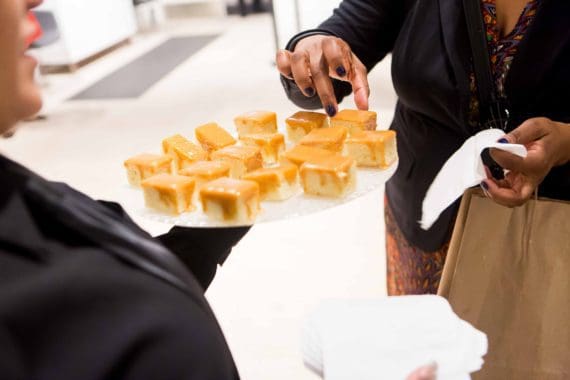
{"x":508,"y":274}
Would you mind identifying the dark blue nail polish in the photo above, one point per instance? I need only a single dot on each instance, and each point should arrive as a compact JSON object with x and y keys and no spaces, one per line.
{"x":341,"y":71}
{"x":310,"y":91}
{"x":331,"y":111}
{"x":503,"y":141}
{"x":484,"y":186}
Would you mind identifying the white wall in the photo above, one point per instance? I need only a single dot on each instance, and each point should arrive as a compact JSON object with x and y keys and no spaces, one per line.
{"x":87,"y":27}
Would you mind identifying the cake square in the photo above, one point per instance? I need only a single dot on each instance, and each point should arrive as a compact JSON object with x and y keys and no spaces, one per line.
{"x":272,"y":145}
{"x":256,"y":122}
{"x":206,"y":171}
{"x":326,"y":138}
{"x":332,"y":176}
{"x":373,"y":148}
{"x":355,"y":120}
{"x":300,"y":154}
{"x":242,"y":159}
{"x":213,"y":137}
{"x":183,"y":152}
{"x":303,"y":122}
{"x":275,"y":184}
{"x":146,"y":165}
{"x":169,"y":193}
{"x":231,"y":200}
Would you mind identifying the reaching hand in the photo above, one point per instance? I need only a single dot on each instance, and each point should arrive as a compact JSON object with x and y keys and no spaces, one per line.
{"x":316,"y":60}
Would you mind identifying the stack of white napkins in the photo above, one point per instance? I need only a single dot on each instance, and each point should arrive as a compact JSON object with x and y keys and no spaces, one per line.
{"x":389,"y":338}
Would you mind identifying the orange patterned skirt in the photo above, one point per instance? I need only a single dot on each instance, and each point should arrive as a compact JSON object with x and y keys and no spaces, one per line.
{"x":410,"y":270}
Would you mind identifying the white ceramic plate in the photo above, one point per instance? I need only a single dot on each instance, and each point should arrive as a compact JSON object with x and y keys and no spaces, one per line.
{"x":367,"y":180}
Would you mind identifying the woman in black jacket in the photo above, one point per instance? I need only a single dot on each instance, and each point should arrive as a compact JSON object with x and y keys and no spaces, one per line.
{"x":438,"y":109}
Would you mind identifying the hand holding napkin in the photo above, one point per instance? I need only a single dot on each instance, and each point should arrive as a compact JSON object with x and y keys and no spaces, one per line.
{"x":463,"y":170}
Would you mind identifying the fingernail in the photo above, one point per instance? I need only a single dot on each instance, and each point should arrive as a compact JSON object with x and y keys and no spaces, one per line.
{"x":310,"y":91}
{"x":331,"y":111}
{"x":484,"y":186}
{"x":341,"y":71}
{"x":503,"y":141}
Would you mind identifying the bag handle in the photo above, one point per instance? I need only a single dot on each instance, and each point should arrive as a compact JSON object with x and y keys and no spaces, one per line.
{"x":493,"y":112}
{"x":492,"y":108}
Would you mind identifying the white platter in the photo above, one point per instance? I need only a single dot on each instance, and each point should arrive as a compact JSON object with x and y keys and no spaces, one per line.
{"x":299,"y":205}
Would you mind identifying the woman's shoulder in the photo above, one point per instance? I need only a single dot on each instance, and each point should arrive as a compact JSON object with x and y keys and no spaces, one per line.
{"x":88,"y":312}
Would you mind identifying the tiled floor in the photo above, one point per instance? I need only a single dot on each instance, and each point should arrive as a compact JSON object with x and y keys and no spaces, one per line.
{"x":280,"y":270}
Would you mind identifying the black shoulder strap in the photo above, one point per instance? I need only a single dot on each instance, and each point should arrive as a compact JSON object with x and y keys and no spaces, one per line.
{"x":480,"y":52}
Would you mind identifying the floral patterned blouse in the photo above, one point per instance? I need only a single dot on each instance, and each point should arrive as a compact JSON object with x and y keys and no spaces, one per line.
{"x":502,"y":50}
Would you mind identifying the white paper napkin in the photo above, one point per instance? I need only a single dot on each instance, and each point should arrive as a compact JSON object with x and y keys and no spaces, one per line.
{"x":389,"y":338}
{"x":463,"y":170}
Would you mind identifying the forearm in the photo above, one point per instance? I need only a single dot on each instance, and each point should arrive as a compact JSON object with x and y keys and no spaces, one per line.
{"x":202,"y":249}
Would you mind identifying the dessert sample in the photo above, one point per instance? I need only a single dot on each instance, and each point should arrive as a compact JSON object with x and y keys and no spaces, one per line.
{"x":275,"y":184}
{"x":256,"y":122}
{"x":231,"y":200}
{"x":213,"y":137}
{"x":242,"y":159}
{"x":183,"y":152}
{"x":303,"y":122}
{"x":326,"y":138}
{"x":146,"y":165}
{"x":169,"y":193}
{"x":301,"y":154}
{"x":206,"y":171}
{"x":271,"y":145}
{"x":373,"y":148}
{"x":355,"y":120}
{"x":332,"y":176}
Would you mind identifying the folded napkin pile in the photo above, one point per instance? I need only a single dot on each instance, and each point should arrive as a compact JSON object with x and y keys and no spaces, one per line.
{"x":390,"y":338}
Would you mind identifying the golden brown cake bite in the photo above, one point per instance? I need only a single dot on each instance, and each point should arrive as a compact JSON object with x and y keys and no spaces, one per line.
{"x":206,"y":171}
{"x":242,"y":159}
{"x":373,"y":148}
{"x":272,"y":145}
{"x":171,"y":194}
{"x":333,"y":176}
{"x":300,"y":154}
{"x":213,"y":137}
{"x":355,"y":120}
{"x":183,"y":152}
{"x":146,"y":165}
{"x":275,"y":184}
{"x":326,"y":138}
{"x":303,"y":122}
{"x":256,"y":122}
{"x":231,"y":200}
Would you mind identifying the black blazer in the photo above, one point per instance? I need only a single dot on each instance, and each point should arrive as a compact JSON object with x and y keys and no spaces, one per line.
{"x":86,"y":294}
{"x":431,"y":62}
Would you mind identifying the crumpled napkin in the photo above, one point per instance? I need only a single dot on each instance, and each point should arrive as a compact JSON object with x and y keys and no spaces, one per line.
{"x":463,"y":170}
{"x":389,"y":338}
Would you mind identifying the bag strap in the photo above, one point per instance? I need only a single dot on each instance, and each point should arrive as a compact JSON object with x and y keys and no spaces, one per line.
{"x":492,"y":109}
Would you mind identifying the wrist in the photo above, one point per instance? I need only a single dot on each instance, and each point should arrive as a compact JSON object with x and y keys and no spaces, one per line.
{"x":564,"y":155}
